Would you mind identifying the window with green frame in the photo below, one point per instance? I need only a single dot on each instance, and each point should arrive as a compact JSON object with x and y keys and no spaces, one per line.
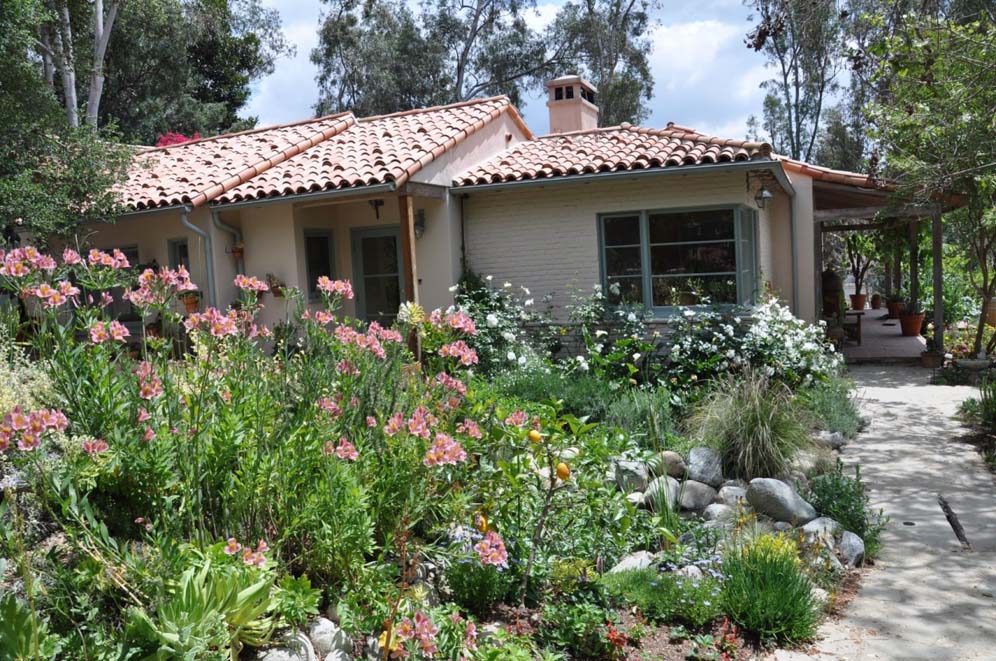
{"x":664,"y":258}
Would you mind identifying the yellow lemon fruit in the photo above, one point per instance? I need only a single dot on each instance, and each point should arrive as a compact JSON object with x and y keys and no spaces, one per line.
{"x":563,"y":471}
{"x":535,"y":436}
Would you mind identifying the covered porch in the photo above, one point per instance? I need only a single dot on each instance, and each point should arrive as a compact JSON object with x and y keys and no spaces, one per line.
{"x":846,"y":203}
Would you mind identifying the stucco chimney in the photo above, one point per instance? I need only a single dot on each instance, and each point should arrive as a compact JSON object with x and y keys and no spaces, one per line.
{"x":571,"y":100}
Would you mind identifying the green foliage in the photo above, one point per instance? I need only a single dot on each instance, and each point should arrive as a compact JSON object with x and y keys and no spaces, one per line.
{"x":581,"y":394}
{"x":213,"y":613}
{"x":666,"y":597}
{"x":579,"y":629}
{"x":295,"y":600}
{"x":764,"y":435}
{"x":766,"y":591}
{"x":23,"y":634}
{"x":647,"y":415}
{"x":477,"y":589}
{"x":833,"y":405}
{"x":843,"y":499}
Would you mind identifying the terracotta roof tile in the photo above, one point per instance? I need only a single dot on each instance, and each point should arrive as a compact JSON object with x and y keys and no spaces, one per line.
{"x":383,"y":149}
{"x":195,"y":172}
{"x":615,"y":149}
{"x":327,"y":153}
{"x":836,"y":176}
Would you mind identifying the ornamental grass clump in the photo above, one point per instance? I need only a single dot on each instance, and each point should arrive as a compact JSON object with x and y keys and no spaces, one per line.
{"x":754,"y":422}
{"x":766,"y":591}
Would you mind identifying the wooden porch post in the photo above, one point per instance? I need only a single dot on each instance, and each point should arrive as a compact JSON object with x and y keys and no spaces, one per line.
{"x":937,"y":241}
{"x":408,"y":263}
{"x":408,"y":247}
{"x":897,"y":270}
{"x":914,"y":266}
{"x":888,"y":278}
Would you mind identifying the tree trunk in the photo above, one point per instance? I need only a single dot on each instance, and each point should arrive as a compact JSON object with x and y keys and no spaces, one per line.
{"x":66,"y":63}
{"x":980,"y":331}
{"x":102,"y":27}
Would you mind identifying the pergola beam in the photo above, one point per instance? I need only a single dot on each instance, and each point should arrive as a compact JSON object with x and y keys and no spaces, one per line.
{"x":937,"y":239}
{"x":872,"y":212}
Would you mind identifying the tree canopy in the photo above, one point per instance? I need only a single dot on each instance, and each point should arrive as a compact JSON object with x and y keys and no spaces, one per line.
{"x":381,"y":56}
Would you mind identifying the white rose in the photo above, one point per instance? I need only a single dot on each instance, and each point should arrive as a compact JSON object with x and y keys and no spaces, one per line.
{"x":492,"y":320}
{"x":511,"y":355}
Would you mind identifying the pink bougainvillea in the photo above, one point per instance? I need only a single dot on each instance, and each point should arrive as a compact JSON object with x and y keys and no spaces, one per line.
{"x":171,"y":138}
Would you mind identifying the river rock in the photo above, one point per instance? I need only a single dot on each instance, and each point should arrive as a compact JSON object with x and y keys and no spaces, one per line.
{"x":831,"y":439}
{"x":293,"y":646}
{"x":631,"y":476}
{"x":732,"y":496}
{"x":822,"y":529}
{"x":670,"y":463}
{"x":779,"y":501}
{"x":705,"y":465}
{"x":852,"y":549}
{"x":659,"y":488}
{"x":638,"y":560}
{"x":327,"y":637}
{"x":635,"y":498}
{"x":696,"y":496}
{"x":719,"y":512}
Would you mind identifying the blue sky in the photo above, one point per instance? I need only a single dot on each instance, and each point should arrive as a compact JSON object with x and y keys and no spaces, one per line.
{"x":704,"y":75}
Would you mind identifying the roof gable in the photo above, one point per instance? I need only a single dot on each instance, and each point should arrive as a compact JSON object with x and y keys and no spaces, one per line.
{"x":328,"y":153}
{"x":196,"y":172}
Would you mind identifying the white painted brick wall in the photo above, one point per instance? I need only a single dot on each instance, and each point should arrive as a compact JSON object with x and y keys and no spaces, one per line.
{"x":545,"y":237}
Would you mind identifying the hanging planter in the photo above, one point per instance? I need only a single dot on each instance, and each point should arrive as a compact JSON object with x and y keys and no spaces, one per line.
{"x":238,"y":251}
{"x":190,"y":302}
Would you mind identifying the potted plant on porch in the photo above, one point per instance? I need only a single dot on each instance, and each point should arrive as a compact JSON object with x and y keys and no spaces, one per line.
{"x":876,"y":301}
{"x":860,"y":251}
{"x":190,"y":301}
{"x":911,"y":319}
{"x":895,"y":304}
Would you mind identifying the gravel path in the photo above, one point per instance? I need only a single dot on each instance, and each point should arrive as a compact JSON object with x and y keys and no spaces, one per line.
{"x":926,"y":597}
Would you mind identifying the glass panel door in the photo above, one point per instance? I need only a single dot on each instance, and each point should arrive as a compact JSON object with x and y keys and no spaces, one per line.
{"x":377,"y":267}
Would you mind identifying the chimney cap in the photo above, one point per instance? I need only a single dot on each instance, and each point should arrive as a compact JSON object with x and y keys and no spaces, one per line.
{"x":570,"y":80}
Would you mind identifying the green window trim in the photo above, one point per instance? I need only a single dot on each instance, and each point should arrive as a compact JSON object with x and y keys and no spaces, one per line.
{"x":745,"y":274}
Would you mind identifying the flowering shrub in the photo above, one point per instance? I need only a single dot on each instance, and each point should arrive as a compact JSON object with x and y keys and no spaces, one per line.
{"x":708,"y":343}
{"x":325,"y":451}
{"x":500,"y":314}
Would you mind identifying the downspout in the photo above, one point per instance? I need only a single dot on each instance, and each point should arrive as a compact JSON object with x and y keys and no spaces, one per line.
{"x":208,"y":252}
{"x":234,"y":231}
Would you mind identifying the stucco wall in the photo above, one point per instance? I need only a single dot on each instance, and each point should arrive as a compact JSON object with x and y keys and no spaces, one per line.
{"x":545,"y":237}
{"x":805,"y":243}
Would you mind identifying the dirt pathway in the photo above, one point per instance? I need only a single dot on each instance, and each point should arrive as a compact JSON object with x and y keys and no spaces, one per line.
{"x":926,"y":597}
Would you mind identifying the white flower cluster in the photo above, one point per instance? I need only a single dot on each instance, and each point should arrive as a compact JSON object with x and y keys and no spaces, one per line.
{"x":771,"y":339}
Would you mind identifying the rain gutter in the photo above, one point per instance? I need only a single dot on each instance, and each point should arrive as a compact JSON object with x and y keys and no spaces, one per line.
{"x":295,"y":198}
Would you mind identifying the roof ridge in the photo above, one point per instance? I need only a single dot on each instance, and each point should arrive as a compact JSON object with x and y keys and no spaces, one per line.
{"x":446,"y":106}
{"x":258,"y":129}
{"x":597,"y":129}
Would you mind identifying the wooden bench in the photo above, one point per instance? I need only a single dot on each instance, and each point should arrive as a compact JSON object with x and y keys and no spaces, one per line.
{"x":853,"y":328}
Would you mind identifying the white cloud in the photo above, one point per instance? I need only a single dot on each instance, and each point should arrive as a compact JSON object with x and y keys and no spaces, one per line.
{"x":748,"y":87}
{"x":685,"y":53}
{"x":289,"y":93}
{"x":539,"y":17}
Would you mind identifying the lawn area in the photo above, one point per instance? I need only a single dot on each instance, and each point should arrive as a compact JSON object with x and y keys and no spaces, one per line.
{"x":444,"y":488}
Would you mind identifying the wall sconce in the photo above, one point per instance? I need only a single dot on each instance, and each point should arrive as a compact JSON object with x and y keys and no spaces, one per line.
{"x":763,"y":197}
{"x":419,"y":223}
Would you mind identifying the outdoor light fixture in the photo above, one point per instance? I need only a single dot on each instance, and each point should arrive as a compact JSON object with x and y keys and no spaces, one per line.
{"x":419,"y":223}
{"x":763,"y":197}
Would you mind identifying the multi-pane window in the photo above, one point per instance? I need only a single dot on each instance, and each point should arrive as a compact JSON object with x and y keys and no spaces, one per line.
{"x":661,"y":259}
{"x":317,"y":258}
{"x":179,"y":253}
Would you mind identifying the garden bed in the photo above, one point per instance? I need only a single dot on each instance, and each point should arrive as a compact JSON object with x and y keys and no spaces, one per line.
{"x":240,"y":491}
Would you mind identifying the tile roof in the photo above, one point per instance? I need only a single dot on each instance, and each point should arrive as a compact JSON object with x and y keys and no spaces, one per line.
{"x":338,"y":151}
{"x":382,"y":149}
{"x":195,"y":172}
{"x":614,"y":149}
{"x":820,"y":173}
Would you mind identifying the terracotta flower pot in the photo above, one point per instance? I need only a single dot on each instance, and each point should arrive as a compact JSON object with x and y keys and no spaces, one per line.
{"x":857,"y":301}
{"x":895,"y":308}
{"x":911,"y":324}
{"x":876,"y":301}
{"x":190,"y":304}
{"x":237,"y":253}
